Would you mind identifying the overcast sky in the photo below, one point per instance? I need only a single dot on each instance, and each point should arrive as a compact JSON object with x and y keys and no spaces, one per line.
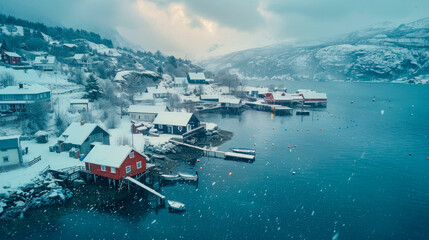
{"x":199,"y":28}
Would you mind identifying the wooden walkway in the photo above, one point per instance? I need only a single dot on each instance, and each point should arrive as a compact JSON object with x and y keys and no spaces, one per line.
{"x":145,"y":187}
{"x":216,"y":153}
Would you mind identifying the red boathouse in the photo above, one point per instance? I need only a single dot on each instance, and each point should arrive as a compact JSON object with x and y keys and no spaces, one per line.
{"x":115,"y":162}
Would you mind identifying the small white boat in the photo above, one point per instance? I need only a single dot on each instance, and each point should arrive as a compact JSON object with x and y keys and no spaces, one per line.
{"x":176,"y":205}
{"x":188,"y":177}
{"x":244,"y":151}
{"x":170,"y":177}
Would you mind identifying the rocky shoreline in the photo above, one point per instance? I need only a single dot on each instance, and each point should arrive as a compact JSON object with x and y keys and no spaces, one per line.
{"x":44,"y":191}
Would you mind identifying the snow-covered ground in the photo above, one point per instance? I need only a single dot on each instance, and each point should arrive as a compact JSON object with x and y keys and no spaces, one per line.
{"x":20,"y":177}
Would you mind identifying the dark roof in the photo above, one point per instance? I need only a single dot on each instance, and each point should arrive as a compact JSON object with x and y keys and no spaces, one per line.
{"x":9,"y":142}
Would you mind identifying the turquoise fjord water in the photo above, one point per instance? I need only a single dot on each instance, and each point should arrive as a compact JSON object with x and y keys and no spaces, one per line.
{"x":354,"y":176}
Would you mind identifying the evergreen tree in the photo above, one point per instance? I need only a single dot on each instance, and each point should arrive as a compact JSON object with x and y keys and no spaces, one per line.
{"x":93,"y":88}
{"x":160,"y":70}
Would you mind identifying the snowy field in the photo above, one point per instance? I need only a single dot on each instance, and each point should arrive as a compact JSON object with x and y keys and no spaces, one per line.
{"x":12,"y":180}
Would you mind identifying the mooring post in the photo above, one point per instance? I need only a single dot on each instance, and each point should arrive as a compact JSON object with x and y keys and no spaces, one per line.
{"x":114,"y":183}
{"x":95,"y":178}
{"x":109,"y":183}
{"x":128,"y":186}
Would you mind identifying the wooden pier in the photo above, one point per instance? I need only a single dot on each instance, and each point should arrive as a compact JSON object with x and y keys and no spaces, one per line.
{"x":217,"y":154}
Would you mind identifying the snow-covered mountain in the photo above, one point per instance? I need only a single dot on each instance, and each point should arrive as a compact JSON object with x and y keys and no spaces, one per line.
{"x":383,"y":52}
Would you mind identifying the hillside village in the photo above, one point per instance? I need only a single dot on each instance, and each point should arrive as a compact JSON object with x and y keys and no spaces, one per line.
{"x":64,"y":96}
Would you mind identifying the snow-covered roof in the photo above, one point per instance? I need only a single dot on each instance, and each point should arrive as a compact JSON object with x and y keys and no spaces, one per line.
{"x":78,"y":56}
{"x":143,"y":96}
{"x":147,"y":109}
{"x":77,"y":133}
{"x":108,"y":155}
{"x":180,"y":80}
{"x":69,"y":45}
{"x":260,"y":90}
{"x":173,"y":118}
{"x":314,"y":95}
{"x":12,"y":54}
{"x":229,"y":99}
{"x":26,"y":89}
{"x":44,"y":60}
{"x":79,"y":101}
{"x":196,"y":75}
{"x":8,"y":142}
{"x":209,"y":97}
{"x":281,"y":96}
{"x":156,"y":90}
{"x":303,"y":90}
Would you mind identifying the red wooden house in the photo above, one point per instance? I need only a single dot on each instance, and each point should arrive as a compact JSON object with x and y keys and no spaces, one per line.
{"x":115,"y":162}
{"x":11,"y":58}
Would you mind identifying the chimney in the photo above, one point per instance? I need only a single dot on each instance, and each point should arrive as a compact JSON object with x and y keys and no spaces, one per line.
{"x":21,"y":85}
{"x":82,"y":123}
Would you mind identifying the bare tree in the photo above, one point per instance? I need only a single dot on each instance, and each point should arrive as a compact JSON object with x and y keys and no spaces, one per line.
{"x":173,"y":101}
{"x":229,"y":80}
{"x":37,"y":115}
{"x":7,"y":79}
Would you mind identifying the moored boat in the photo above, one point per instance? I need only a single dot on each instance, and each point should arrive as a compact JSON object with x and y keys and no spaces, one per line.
{"x":244,"y":151}
{"x":170,"y":177}
{"x":188,"y":177}
{"x":174,"y":205}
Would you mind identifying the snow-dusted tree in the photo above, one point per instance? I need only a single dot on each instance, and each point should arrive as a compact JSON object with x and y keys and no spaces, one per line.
{"x":93,"y":88}
{"x":37,"y":116}
{"x":61,"y":123}
{"x":7,"y":79}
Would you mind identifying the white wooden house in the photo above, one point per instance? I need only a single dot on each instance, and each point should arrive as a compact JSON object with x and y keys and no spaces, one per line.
{"x":145,"y":113}
{"x":10,"y":151}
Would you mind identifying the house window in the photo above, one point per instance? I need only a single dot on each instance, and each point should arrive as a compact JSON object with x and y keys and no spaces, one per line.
{"x":113,"y":170}
{"x":128,"y":169}
{"x":103,"y":168}
{"x":180,"y":128}
{"x":160,"y":126}
{"x":131,"y":154}
{"x":139,"y":164}
{"x":6,"y":159}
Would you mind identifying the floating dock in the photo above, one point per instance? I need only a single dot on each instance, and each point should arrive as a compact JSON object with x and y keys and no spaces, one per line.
{"x":276,"y":109}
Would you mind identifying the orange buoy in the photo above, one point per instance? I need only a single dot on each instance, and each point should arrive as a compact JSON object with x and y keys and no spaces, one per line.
{"x":297,"y":130}
{"x":198,"y":160}
{"x":428,"y":158}
{"x":409,"y":154}
{"x":254,"y":144}
{"x":254,"y":136}
{"x":266,"y":140}
{"x":294,"y":145}
{"x":201,"y":167}
{"x":308,"y":129}
{"x":230,"y":173}
{"x":351,"y":102}
{"x":293,"y":173}
{"x":321,"y":129}
{"x":288,"y":146}
{"x":272,"y":144}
